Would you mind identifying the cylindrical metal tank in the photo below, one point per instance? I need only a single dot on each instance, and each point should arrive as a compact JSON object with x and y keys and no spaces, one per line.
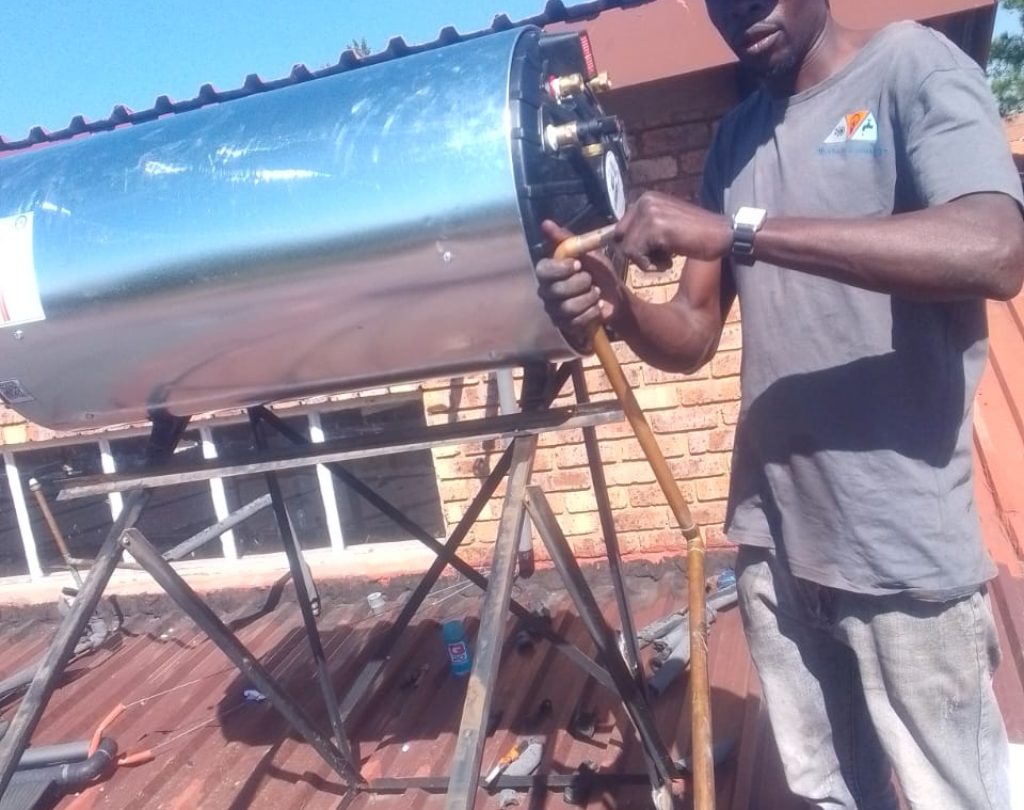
{"x":374,"y":226}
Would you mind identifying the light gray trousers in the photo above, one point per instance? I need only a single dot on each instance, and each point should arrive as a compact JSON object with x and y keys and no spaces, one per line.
{"x":859,"y":686}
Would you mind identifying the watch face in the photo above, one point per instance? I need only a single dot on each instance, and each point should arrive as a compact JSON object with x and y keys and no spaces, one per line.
{"x":614,"y":184}
{"x":750,"y":217}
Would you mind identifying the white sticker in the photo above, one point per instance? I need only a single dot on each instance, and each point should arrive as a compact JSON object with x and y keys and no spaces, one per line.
{"x":614,"y":184}
{"x":19,"y":291}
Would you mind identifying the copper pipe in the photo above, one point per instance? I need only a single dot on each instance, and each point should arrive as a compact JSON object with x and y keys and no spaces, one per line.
{"x":51,"y":522}
{"x":700,"y":709}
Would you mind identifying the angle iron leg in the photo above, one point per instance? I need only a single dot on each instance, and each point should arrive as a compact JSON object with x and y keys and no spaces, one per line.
{"x":611,"y":538}
{"x":469,"y":747}
{"x":368,"y":673}
{"x":166,"y":431}
{"x":255,"y":417}
{"x":589,"y":611}
{"x":299,"y":573}
{"x":208,"y":621}
{"x":565,"y":647}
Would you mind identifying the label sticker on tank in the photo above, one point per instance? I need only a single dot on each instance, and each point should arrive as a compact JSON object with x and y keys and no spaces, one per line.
{"x":19,"y":290}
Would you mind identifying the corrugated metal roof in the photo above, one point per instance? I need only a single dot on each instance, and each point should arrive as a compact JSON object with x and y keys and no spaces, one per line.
{"x":219,"y":751}
{"x":555,"y":11}
{"x":216,"y":750}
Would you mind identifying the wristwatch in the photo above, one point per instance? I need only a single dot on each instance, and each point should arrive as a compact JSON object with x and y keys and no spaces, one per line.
{"x":745,"y":224}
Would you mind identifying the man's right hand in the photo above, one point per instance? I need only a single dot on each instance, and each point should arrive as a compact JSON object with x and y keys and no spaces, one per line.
{"x":579,"y":294}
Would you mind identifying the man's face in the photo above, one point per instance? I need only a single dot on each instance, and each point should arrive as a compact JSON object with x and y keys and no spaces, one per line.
{"x":771,"y":37}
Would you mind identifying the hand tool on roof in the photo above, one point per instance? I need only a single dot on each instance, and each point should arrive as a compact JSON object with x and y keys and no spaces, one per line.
{"x":524,"y":764}
{"x":507,"y":759}
{"x":703,"y":764}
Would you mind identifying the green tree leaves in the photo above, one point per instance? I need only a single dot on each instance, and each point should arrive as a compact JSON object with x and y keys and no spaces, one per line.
{"x":1006,"y":65}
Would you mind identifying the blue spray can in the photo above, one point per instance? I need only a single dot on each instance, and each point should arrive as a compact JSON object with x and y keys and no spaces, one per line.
{"x":459,"y":656}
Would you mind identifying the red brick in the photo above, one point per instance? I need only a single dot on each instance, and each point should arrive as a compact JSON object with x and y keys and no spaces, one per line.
{"x":618,"y":497}
{"x":559,"y":438}
{"x":715,"y":537}
{"x":580,"y":501}
{"x":625,"y":473}
{"x":614,"y":430}
{"x":587,"y":547}
{"x":578,"y":524}
{"x":9,"y":416}
{"x":713,"y":489}
{"x":630,"y":542}
{"x":691,"y":163}
{"x":731,"y":412}
{"x":675,"y":139}
{"x":697,"y":417}
{"x":573,"y":455}
{"x":657,"y":397}
{"x":705,"y":466}
{"x":721,"y":440}
{"x":650,"y":517}
{"x":14,"y":434}
{"x":698,"y":442}
{"x":709,"y":513}
{"x":703,"y":393}
{"x":731,"y":337}
{"x":543,"y":462}
{"x":557,"y":501}
{"x":565,"y":480}
{"x":726,"y":364}
{"x":649,"y":170}
{"x":644,"y":495}
{"x":668,"y":539}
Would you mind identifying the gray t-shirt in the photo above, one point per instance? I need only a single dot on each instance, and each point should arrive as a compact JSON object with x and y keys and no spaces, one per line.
{"x":853,"y":448}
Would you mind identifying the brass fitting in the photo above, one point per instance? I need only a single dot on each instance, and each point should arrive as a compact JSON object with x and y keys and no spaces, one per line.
{"x":559,"y":136}
{"x":600,"y":83}
{"x":562,"y":87}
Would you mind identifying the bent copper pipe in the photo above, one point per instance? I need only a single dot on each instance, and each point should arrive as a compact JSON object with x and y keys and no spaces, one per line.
{"x":700,"y":710}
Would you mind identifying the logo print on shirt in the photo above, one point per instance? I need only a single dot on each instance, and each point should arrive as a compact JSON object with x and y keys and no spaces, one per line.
{"x":857,"y":126}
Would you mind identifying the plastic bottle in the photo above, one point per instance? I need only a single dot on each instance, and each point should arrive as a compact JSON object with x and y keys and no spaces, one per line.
{"x":459,"y":656}
{"x":726,"y":579}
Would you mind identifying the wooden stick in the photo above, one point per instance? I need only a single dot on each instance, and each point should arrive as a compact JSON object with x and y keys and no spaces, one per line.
{"x":700,"y":689}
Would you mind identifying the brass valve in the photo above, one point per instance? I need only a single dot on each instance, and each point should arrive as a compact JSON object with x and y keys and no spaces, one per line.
{"x":580,"y":133}
{"x":563,"y":87}
{"x":559,"y":136}
{"x":600,"y":83}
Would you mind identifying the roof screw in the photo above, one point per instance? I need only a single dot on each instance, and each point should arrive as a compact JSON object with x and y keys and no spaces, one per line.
{"x":18,"y":334}
{"x":446,"y":257}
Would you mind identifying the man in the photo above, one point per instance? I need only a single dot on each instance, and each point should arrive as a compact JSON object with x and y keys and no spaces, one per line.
{"x":862,"y":204}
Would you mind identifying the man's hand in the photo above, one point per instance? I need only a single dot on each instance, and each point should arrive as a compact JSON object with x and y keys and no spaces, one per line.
{"x":578,"y":293}
{"x":658,"y":227}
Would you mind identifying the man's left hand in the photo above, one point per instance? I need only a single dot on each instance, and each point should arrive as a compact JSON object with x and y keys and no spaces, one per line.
{"x":657,"y":227}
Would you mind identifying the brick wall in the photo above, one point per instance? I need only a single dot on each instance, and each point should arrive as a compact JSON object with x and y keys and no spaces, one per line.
{"x":670,"y":125}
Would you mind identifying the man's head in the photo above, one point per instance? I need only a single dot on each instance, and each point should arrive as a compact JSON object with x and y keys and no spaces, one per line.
{"x":772,"y":37}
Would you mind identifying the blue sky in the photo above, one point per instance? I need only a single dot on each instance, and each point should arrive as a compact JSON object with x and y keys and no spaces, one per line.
{"x":59,"y":58}
{"x":1006,"y":21}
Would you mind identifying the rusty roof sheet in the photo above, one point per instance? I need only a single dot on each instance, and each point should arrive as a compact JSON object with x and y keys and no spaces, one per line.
{"x":216,"y":750}
{"x":555,"y":11}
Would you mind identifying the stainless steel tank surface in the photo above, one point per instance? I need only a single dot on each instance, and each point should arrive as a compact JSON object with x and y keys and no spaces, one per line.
{"x":375,"y":226}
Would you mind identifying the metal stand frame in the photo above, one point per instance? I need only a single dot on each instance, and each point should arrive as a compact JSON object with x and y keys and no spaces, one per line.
{"x":617,"y":669}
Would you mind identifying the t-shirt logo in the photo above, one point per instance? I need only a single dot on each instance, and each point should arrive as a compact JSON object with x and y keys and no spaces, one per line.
{"x":856,"y":126}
